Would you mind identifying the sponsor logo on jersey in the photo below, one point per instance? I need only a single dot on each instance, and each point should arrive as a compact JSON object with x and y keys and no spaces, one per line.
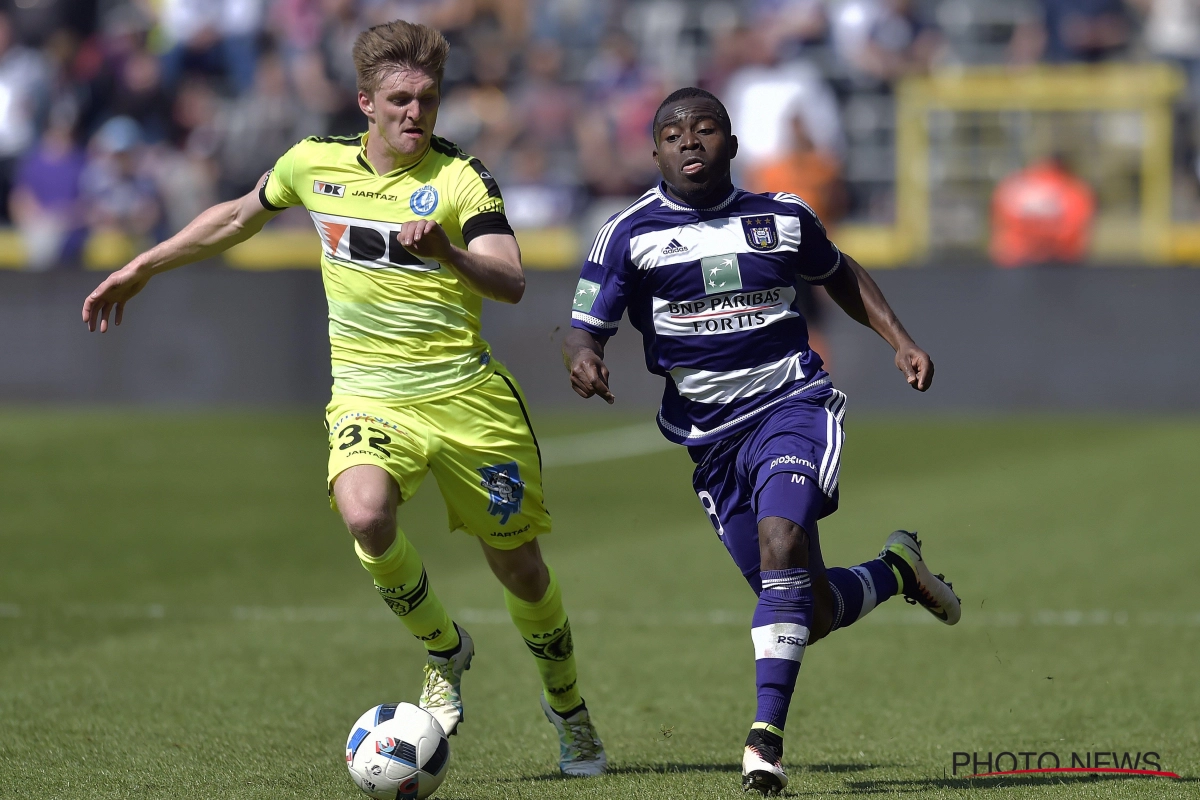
{"x":494,"y":205}
{"x":586,"y":293}
{"x":367,"y":243}
{"x":761,"y":233}
{"x":374,"y":195}
{"x":673,"y":247}
{"x":721,"y":273}
{"x":424,"y":200}
{"x":329,"y":189}
{"x":505,"y":489}
{"x":794,"y":461}
{"x":733,"y":312}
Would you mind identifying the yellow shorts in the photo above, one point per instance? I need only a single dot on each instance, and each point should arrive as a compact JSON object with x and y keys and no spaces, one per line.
{"x":478,"y":443}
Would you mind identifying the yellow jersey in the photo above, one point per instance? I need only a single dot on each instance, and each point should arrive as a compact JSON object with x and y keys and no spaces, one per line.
{"x":401,"y":328}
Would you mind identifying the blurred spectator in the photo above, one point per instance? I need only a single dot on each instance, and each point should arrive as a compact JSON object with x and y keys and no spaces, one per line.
{"x":45,"y":200}
{"x":255,"y":129}
{"x":1041,"y":215}
{"x":1076,"y":30}
{"x":119,"y":196}
{"x":812,"y":174}
{"x":23,"y":81}
{"x":613,"y":132}
{"x":532,"y":198}
{"x":545,"y":107}
{"x":324,"y":72}
{"x":790,"y":27}
{"x":214,"y":37}
{"x":764,"y":97}
{"x":1172,"y":33}
{"x":138,"y":92}
{"x":884,"y":40}
{"x":479,"y":112}
{"x":184,"y":169}
{"x":578,"y":26}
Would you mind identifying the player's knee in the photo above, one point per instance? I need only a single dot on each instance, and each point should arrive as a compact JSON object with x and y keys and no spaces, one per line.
{"x":782,"y":544}
{"x":372,"y":525}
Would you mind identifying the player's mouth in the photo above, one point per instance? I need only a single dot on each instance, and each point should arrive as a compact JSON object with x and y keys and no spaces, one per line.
{"x":415,"y":133}
{"x":692,"y":166}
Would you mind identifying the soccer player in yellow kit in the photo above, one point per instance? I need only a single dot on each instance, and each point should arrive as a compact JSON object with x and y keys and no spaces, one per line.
{"x":414,"y":236}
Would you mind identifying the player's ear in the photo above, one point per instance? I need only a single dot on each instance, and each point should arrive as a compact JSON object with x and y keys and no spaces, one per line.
{"x":733,"y":145}
{"x":366,"y":104}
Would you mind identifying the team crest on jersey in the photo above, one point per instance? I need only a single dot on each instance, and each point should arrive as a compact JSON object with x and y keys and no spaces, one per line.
{"x":506,"y":489}
{"x":423,"y":200}
{"x":760,"y":232}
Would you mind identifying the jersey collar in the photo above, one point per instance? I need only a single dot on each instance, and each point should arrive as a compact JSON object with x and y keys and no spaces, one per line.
{"x":365,"y":162}
{"x":677,"y":206}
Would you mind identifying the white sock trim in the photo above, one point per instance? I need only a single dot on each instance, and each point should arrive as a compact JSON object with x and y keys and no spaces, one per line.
{"x":785,"y":640}
{"x":870,"y":598}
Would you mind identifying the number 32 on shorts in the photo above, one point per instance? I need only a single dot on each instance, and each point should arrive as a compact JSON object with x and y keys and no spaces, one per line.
{"x":352,"y":435}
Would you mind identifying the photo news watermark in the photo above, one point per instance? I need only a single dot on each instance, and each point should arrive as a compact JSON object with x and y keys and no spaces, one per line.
{"x":1028,"y":762}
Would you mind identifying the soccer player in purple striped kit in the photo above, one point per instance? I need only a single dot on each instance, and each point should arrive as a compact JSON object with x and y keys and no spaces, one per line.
{"x":708,"y":274}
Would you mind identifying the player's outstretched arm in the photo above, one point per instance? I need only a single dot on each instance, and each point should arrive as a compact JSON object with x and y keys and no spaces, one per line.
{"x":583,"y":355}
{"x":214,"y":231}
{"x":490,"y":266}
{"x":859,"y":296}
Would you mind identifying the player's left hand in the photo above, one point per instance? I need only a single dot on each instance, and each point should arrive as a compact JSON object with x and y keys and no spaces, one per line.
{"x":425,"y":238}
{"x":916,"y":365}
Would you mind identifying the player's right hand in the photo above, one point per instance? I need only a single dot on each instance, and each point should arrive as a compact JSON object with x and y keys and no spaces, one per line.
{"x":113,"y":293}
{"x":589,"y":376}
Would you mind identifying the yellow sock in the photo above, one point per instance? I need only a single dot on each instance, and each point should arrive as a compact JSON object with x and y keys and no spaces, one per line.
{"x":547,"y":633}
{"x":401,"y":580}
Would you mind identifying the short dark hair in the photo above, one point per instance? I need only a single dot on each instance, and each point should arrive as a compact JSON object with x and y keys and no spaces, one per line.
{"x":687,"y":93}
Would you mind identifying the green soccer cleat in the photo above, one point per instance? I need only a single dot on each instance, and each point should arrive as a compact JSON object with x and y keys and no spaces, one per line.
{"x":442,"y":694}
{"x":762,"y":764}
{"x":581,"y":753}
{"x":902,"y":552}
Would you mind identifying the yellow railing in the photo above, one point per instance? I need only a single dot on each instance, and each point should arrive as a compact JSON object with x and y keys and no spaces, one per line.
{"x":1146,"y":90}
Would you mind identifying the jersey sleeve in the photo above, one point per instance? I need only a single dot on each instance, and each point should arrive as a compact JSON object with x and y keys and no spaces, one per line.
{"x":817,"y":258}
{"x":276,"y":191}
{"x":604,"y":284}
{"x":478,"y":202}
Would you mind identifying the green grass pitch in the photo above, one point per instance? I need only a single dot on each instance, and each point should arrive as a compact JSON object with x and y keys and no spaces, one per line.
{"x":181,"y":616}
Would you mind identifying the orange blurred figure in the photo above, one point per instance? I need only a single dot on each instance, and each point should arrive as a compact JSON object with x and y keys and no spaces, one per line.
{"x":812,"y":174}
{"x":1042,"y":214}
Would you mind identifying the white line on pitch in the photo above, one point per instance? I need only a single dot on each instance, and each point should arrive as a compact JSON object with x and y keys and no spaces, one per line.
{"x":607,"y":445}
{"x":1070,"y":618}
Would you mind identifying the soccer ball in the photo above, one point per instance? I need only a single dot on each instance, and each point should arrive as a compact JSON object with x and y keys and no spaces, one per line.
{"x":397,"y":751}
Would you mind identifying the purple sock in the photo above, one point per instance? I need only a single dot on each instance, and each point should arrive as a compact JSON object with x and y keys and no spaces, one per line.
{"x":780,"y":633}
{"x":859,"y":589}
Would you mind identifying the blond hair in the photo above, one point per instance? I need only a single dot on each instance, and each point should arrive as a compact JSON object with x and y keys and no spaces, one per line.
{"x":398,"y":45}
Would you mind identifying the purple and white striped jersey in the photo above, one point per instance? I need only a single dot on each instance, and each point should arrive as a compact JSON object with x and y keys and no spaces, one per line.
{"x":713,"y":293}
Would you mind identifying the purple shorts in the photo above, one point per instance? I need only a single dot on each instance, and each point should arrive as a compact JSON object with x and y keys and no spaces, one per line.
{"x":786,"y":466}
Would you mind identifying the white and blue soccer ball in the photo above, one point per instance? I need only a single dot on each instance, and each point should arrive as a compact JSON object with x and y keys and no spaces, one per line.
{"x":397,"y":751}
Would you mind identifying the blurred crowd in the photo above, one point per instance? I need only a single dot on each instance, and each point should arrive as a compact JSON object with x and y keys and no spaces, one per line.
{"x":131,"y":116}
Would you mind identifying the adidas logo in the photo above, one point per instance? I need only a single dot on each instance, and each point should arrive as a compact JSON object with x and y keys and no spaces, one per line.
{"x":673,"y":247}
